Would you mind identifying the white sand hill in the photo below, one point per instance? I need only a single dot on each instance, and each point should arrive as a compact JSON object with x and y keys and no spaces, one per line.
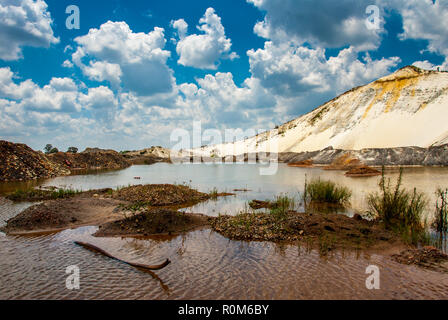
{"x":406,"y":108}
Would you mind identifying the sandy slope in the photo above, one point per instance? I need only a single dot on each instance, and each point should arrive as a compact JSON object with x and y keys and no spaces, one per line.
{"x":406,"y":108}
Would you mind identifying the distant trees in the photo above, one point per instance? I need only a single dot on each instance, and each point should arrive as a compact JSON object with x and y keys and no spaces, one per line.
{"x":72,"y":150}
{"x":49,"y":149}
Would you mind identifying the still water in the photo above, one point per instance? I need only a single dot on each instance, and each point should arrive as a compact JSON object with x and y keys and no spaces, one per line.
{"x":206,"y":265}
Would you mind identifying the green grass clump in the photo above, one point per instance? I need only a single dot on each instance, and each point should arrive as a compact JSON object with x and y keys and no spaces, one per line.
{"x":441,"y":221}
{"x":326,"y":191}
{"x":399,"y":209}
{"x":214,"y":193}
{"x":38,"y":194}
{"x":282,"y":205}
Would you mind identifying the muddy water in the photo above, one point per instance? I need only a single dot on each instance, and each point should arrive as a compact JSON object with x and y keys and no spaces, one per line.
{"x":206,"y":265}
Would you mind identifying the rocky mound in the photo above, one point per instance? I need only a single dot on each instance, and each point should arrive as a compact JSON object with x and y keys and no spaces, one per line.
{"x":87,"y":208}
{"x":426,"y":257}
{"x":155,"y":221}
{"x":148,"y":156}
{"x":18,"y":162}
{"x":363,"y":171}
{"x":301,"y":164}
{"x":344,"y":162}
{"x":160,"y":195}
{"x":329,"y":230}
{"x":90,"y":159}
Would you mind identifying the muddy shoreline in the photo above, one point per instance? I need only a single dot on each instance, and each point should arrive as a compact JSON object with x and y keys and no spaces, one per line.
{"x":152,"y":210}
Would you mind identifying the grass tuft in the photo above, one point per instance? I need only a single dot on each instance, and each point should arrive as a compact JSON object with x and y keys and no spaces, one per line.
{"x":39,"y":194}
{"x":400,"y":210}
{"x":325,"y":191}
{"x":441,"y":221}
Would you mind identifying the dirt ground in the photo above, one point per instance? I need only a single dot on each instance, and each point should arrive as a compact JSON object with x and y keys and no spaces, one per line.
{"x":426,"y":257}
{"x":60,"y":214}
{"x":330,"y":231}
{"x":99,"y":207}
{"x":154,"y":222}
{"x":160,"y":195}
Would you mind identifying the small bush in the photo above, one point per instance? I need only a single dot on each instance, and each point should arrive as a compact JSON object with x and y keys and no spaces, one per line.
{"x":282,"y":204}
{"x":398,"y":208}
{"x":441,"y":221}
{"x":325,"y":191}
{"x":214,"y":193}
{"x":72,"y":150}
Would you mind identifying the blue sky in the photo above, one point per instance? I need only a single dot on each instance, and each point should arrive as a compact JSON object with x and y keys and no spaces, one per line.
{"x":137,"y":70}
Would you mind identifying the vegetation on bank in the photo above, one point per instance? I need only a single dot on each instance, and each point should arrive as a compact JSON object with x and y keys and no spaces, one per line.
{"x":326,"y":191}
{"x":441,"y":214}
{"x":40,"y":194}
{"x":326,"y":231}
{"x":399,"y":210}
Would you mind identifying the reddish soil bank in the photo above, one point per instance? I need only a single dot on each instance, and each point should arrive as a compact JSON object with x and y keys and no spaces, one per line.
{"x":97,"y":207}
{"x":301,"y":164}
{"x":363,"y":171}
{"x":54,"y":215}
{"x":329,"y":231}
{"x":160,"y":195}
{"x":426,"y":257}
{"x":90,"y":159}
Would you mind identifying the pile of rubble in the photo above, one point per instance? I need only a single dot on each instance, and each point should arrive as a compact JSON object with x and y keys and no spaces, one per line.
{"x":18,"y":162}
{"x":90,"y":159}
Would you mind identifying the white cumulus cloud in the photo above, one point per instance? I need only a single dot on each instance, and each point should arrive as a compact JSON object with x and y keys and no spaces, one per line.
{"x":24,"y":23}
{"x":322,"y":23}
{"x":289,"y":70}
{"x":205,"y":50}
{"x":137,"y":61}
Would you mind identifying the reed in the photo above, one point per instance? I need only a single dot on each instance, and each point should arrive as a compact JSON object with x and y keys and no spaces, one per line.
{"x":326,"y":191}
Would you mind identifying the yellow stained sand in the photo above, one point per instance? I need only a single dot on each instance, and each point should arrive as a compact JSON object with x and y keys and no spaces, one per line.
{"x":393,"y":89}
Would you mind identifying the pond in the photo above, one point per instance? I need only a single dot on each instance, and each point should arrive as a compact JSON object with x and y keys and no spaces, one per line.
{"x":206,"y":265}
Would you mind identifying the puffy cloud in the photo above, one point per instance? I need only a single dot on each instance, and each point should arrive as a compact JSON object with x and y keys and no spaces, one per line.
{"x":104,"y":71}
{"x":60,"y":95}
{"x":181,"y":26}
{"x":24,"y":23}
{"x":290,"y":71}
{"x":9,"y":89}
{"x":137,"y":61}
{"x":322,"y":23}
{"x":203,"y":51}
{"x":426,"y":65}
{"x":218,"y":101}
{"x":67,"y":64}
{"x":425,"y":20}
{"x":101,"y":102}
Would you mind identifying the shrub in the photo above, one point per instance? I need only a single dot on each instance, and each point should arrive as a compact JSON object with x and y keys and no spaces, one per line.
{"x":38,"y":194}
{"x":282,"y":204}
{"x":214,"y":193}
{"x":397,"y":207}
{"x":441,"y":221}
{"x":48,"y":148}
{"x":72,"y":150}
{"x":325,"y":191}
